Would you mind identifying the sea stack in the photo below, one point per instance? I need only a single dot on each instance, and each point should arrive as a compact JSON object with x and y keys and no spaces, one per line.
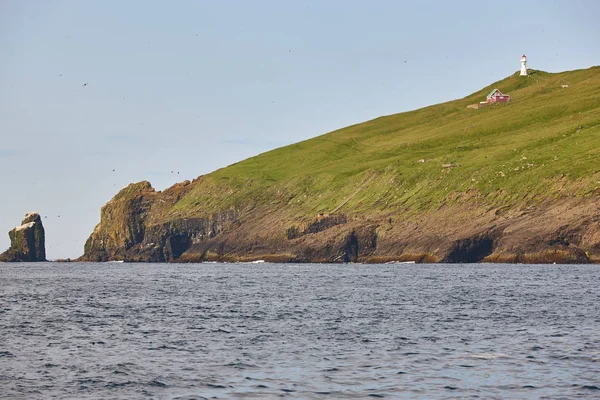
{"x":27,"y":242}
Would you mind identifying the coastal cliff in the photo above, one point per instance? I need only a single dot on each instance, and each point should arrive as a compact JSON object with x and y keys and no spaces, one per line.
{"x":27,"y":241}
{"x":128,"y":231}
{"x":516,"y":182}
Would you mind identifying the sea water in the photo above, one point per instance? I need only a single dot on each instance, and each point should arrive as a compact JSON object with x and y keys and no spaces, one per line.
{"x":194,"y":331}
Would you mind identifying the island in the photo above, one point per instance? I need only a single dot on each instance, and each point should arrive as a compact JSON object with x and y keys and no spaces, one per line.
{"x":516,"y":181}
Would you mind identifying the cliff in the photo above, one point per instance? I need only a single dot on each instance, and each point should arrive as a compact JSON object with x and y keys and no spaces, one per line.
{"x":516,"y":182}
{"x":27,"y":241}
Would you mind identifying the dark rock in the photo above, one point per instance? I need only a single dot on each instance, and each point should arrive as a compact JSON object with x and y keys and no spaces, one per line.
{"x":293,"y":233}
{"x":321,"y":223}
{"x":350,"y":249}
{"x":27,"y":242}
{"x":470,"y":250}
{"x":325,"y":222}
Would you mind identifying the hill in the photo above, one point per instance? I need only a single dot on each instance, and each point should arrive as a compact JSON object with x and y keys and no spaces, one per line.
{"x":514,"y":182}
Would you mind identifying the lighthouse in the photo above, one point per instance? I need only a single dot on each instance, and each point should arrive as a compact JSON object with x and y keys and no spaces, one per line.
{"x":523,"y":65}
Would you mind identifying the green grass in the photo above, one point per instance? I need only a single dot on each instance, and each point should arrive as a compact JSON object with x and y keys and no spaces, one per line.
{"x":547,"y":139}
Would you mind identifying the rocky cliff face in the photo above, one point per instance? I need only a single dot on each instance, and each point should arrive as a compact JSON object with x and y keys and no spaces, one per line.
{"x":129,"y":231}
{"x":133,"y":228}
{"x":122,"y":223}
{"x":27,"y":242}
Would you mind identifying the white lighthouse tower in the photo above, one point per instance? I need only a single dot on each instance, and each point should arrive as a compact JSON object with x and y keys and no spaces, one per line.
{"x":523,"y":65}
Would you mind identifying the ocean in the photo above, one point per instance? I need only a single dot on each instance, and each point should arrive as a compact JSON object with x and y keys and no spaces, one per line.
{"x":298,"y":331}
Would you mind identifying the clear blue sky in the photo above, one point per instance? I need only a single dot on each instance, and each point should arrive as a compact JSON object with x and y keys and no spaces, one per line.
{"x":192,"y":86}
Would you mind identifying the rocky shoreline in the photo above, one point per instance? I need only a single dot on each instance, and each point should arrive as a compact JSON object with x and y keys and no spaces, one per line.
{"x":565,"y":230}
{"x":561,"y":231}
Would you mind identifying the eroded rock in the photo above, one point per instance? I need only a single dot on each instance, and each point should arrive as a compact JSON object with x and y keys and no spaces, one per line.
{"x":27,"y":241}
{"x":126,"y":231}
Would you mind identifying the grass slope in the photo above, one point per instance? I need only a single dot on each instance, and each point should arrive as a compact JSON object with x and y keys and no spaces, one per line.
{"x":543,"y":144}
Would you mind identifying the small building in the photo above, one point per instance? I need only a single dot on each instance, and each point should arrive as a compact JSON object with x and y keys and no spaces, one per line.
{"x":496,"y":96}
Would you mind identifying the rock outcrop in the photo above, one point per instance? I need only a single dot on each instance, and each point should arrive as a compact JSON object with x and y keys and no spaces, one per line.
{"x":27,"y":242}
{"x":127,"y":230}
{"x":136,"y":226}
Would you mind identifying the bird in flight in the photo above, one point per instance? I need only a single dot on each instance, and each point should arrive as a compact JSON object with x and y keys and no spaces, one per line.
{"x":84,"y":85}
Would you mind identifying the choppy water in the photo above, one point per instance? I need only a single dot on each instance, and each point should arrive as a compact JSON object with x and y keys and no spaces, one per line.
{"x":124,"y":331}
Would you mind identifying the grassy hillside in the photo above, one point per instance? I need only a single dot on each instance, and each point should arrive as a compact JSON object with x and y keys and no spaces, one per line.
{"x":544,"y":143}
{"x":514,"y":182}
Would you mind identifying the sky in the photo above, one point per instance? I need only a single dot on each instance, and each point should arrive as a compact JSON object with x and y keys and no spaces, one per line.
{"x":96,"y":95}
